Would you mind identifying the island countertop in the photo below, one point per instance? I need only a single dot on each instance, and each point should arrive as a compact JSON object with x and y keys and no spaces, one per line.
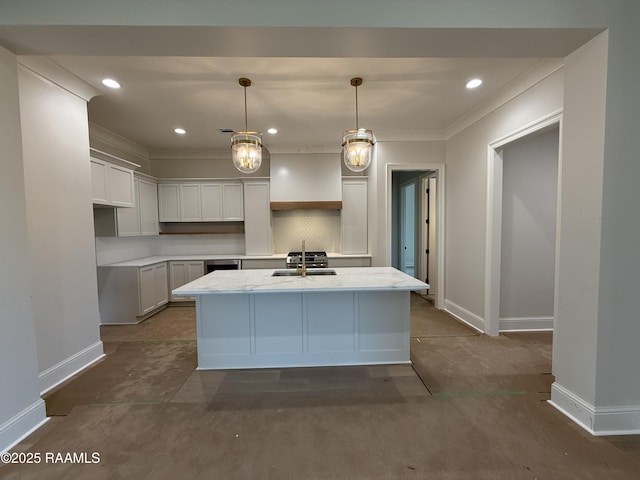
{"x":262,"y":281}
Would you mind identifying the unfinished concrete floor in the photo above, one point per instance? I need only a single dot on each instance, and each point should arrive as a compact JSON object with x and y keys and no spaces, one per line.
{"x":481,"y":413}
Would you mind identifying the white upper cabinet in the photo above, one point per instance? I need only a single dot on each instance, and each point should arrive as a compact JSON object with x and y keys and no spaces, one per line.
{"x":142,"y":219}
{"x":353,"y":221}
{"x":211,"y":201}
{"x":201,"y":202}
{"x":190,"y":203}
{"x":111,"y":184}
{"x":148,"y":207}
{"x":169,"y":202}
{"x":99,"y":181}
{"x":232,"y":202}
{"x":128,"y":219}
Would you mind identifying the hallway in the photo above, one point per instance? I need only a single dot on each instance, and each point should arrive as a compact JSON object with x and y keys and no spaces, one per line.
{"x":476,"y":409}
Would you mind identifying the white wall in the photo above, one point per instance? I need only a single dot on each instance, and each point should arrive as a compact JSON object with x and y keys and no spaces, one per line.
{"x":202,"y":165}
{"x":466,"y":195}
{"x":580,"y":212}
{"x":55,"y":142}
{"x":403,"y":156}
{"x":21,"y":408}
{"x":529,"y":212}
{"x":119,"y":249}
{"x":619,"y":303}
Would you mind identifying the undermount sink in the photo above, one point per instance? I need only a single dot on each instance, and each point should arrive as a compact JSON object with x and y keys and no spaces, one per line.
{"x":310,"y":273}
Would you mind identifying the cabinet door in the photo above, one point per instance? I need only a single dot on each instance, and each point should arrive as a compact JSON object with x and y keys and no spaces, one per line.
{"x":146,"y":278}
{"x":190,"y":202}
{"x":128,"y":218}
{"x":120,"y":186}
{"x":160,"y":284}
{"x":181,"y":273}
{"x":211,"y":200}
{"x":354,"y":216}
{"x":232,"y":202}
{"x":169,"y":202}
{"x":195,"y":270}
{"x":98,"y":181}
{"x":177,"y":277}
{"x":257,"y":218}
{"x":147,"y":207}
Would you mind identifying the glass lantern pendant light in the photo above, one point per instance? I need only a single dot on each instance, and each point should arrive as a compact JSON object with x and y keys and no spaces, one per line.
{"x":246,"y":146}
{"x":357,"y":144}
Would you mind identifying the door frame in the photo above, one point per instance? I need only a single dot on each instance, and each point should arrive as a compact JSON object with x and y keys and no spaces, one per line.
{"x":493,"y":233}
{"x":439,"y":173}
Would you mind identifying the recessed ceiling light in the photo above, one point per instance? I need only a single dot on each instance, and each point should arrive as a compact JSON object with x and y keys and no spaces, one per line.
{"x":272,"y":131}
{"x":474,"y":83}
{"x":111,"y":83}
{"x":180,"y":131}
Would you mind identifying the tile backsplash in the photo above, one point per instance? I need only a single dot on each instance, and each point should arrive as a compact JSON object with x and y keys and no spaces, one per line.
{"x":319,"y":228}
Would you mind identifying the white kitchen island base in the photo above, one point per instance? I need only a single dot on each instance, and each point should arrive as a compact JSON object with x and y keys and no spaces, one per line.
{"x":302,"y":329}
{"x":251,"y":319}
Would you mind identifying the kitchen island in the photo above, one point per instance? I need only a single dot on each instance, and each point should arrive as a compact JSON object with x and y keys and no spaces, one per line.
{"x":252,"y":319}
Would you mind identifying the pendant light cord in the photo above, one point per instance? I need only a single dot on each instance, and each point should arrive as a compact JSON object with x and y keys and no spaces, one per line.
{"x":357,"y":107}
{"x":246,"y":123}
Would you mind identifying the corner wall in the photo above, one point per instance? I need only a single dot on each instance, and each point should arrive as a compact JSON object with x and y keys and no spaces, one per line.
{"x":21,"y":408}
{"x":55,"y":143}
{"x":466,"y":195}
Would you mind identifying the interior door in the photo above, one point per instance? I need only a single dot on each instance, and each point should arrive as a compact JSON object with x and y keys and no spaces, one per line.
{"x":430,"y":223}
{"x":408,"y":228}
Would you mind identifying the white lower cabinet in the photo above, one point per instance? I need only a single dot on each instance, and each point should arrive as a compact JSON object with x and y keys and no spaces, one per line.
{"x":154,"y":290}
{"x":131,"y":294}
{"x":181,"y":273}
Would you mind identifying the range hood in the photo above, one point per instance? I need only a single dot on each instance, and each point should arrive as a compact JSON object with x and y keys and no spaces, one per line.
{"x":306,"y":181}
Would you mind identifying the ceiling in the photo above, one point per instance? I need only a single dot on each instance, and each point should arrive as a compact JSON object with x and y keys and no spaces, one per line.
{"x":309,"y":100}
{"x":414,"y":79}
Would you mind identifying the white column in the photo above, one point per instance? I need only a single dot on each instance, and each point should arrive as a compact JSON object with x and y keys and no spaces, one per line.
{"x":21,"y":408}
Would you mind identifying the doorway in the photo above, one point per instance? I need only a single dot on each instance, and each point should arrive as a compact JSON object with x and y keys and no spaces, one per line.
{"x":521,"y":235}
{"x":415,"y":203}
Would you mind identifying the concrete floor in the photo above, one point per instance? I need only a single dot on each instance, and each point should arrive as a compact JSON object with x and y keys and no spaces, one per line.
{"x":473,"y":408}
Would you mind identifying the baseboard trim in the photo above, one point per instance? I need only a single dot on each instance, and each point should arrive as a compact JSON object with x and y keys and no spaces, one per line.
{"x":598,"y":421}
{"x":20,"y":426}
{"x":59,"y":373}
{"x":465,"y":316}
{"x":526,"y":324}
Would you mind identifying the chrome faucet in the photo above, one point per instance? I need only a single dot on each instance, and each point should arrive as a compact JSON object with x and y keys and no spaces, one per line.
{"x":303,"y":270}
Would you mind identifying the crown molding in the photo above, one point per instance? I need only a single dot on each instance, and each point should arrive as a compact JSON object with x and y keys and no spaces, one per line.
{"x":536,"y":74}
{"x":49,"y":71}
{"x":411,"y":136}
{"x":190,"y":155}
{"x":113,"y":140}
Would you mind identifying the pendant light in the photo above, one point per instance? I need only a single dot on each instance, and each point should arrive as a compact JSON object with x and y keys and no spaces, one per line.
{"x":357,"y":144}
{"x":246,"y":146}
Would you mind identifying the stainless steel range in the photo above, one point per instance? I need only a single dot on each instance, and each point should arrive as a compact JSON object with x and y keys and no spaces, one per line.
{"x":312,"y":259}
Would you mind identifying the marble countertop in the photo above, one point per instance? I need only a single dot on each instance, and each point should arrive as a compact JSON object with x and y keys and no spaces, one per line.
{"x":145,"y":261}
{"x":262,"y":281}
